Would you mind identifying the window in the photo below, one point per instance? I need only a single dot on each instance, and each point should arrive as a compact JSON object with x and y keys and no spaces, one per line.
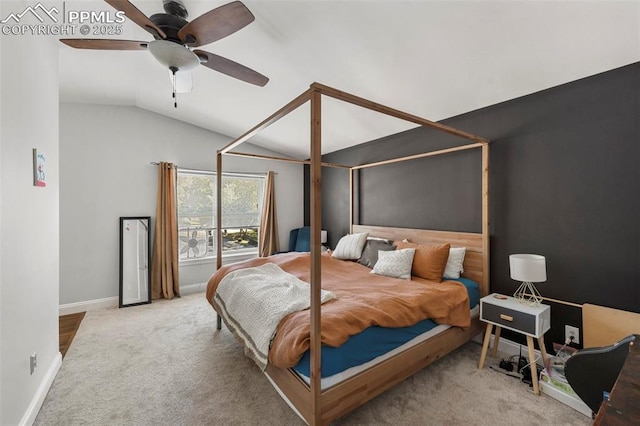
{"x":242,"y":196}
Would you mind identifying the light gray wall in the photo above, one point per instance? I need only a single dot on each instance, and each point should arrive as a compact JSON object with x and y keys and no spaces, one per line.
{"x":105,"y":155}
{"x":29,"y":274}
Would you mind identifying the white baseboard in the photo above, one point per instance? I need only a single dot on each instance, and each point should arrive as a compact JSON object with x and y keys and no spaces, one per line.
{"x":36,"y":403}
{"x":112,"y":302}
{"x":192,"y":288}
{"x":74,"y":308}
{"x":507,"y":346}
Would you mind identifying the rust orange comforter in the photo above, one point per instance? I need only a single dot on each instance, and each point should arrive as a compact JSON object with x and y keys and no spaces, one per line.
{"x":364,"y":299}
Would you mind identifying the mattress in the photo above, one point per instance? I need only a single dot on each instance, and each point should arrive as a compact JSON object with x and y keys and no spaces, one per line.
{"x":375,"y":343}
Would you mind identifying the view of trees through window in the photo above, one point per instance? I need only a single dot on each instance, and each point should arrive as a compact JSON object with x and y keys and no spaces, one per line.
{"x":196,"y":203}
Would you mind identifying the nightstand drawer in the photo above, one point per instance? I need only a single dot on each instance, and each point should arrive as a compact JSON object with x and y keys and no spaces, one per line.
{"x":507,"y":312}
{"x":509,"y":318}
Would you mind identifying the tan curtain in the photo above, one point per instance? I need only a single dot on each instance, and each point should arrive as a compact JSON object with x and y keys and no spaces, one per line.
{"x":268,"y":238}
{"x":164,"y":265}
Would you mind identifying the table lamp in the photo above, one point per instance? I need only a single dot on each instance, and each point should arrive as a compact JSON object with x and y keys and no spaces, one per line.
{"x":528,"y":268}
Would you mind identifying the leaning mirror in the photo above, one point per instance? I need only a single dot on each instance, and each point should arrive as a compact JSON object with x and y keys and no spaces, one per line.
{"x":135,"y":275}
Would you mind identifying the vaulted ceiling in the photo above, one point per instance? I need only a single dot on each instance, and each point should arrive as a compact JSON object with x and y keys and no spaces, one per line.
{"x":434,"y":59}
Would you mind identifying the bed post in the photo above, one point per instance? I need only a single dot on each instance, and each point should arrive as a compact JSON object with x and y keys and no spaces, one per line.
{"x":316,"y":280}
{"x":485,"y":218}
{"x":219,"y":222}
{"x":351,"y":200}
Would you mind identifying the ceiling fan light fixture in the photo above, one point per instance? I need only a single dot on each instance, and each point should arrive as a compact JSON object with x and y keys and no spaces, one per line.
{"x":175,"y":37}
{"x":173,"y":55}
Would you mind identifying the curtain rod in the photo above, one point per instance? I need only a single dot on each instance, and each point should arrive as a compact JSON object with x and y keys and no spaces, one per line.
{"x":213,"y":171}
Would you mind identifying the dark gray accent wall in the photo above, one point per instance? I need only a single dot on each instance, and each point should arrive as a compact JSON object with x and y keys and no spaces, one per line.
{"x":564,"y":183}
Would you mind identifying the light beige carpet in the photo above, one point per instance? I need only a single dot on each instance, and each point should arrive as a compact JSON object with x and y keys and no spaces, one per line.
{"x":166,"y":364}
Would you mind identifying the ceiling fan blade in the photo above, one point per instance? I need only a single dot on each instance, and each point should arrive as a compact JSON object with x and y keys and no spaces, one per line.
{"x":216,"y":24}
{"x":104,"y":44}
{"x":138,"y":17}
{"x":230,"y":68}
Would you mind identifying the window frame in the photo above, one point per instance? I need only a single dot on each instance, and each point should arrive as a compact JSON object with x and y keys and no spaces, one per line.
{"x":234,"y":254}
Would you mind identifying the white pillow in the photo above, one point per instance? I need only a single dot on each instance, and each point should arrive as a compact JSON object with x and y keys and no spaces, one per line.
{"x":350,"y":246}
{"x":396,"y":263}
{"x":454,"y":263}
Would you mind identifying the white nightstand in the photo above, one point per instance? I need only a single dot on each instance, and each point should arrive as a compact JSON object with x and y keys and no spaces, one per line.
{"x":507,"y":312}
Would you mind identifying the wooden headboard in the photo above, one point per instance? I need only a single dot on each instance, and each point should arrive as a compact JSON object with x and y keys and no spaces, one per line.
{"x":473,"y":260}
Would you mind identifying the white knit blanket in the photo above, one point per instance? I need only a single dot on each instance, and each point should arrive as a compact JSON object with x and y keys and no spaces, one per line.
{"x":253,"y":301}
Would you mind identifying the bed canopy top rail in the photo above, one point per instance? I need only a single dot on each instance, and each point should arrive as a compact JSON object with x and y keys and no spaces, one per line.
{"x":284,"y":159}
{"x":305,"y":97}
{"x":314,"y":406}
{"x":416,"y":156}
{"x":291,"y":106}
{"x":365,"y":103}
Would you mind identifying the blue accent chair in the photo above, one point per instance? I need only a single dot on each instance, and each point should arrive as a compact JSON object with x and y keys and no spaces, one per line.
{"x":300,"y":239}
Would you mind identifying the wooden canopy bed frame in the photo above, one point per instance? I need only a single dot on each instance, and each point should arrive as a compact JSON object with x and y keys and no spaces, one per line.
{"x":317,"y":406}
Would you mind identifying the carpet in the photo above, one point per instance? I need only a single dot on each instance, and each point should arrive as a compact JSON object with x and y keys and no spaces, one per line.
{"x":166,"y":364}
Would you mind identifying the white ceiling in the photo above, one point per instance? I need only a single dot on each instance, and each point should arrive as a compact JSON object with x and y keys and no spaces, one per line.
{"x":434,"y":59}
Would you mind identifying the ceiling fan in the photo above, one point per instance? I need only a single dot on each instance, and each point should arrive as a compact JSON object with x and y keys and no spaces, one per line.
{"x":176,"y":38}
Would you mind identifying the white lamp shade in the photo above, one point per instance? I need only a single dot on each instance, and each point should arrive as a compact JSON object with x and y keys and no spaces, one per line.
{"x":528,"y":268}
{"x":323,"y":236}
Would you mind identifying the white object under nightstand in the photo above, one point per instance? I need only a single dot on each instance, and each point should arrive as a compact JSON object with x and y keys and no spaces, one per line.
{"x":507,"y":312}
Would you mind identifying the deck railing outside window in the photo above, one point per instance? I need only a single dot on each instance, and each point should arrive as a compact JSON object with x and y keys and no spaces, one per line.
{"x":198,"y":242}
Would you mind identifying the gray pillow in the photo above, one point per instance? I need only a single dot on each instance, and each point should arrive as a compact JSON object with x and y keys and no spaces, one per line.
{"x":369,"y":255}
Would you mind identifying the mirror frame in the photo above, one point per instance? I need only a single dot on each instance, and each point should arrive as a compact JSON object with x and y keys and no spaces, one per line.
{"x":148,"y":299}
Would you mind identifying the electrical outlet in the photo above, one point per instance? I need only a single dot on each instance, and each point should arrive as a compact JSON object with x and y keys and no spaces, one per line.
{"x":33,"y":362}
{"x":571,"y":331}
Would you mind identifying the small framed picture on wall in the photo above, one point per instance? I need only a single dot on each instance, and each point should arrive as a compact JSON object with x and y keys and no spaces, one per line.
{"x":39,"y":169}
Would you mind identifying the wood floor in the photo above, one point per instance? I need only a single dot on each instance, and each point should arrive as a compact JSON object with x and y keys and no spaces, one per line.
{"x":68,"y":325}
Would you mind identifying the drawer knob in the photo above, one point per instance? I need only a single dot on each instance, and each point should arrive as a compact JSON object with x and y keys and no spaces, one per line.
{"x":506,"y":317}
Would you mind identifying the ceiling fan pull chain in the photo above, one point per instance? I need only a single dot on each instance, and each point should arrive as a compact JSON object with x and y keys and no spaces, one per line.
{"x":173,"y":83}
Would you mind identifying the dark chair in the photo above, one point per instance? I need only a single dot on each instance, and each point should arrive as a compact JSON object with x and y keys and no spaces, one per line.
{"x":592,"y":371}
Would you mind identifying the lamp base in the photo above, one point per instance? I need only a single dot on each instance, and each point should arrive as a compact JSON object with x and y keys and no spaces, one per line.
{"x":528,"y":295}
